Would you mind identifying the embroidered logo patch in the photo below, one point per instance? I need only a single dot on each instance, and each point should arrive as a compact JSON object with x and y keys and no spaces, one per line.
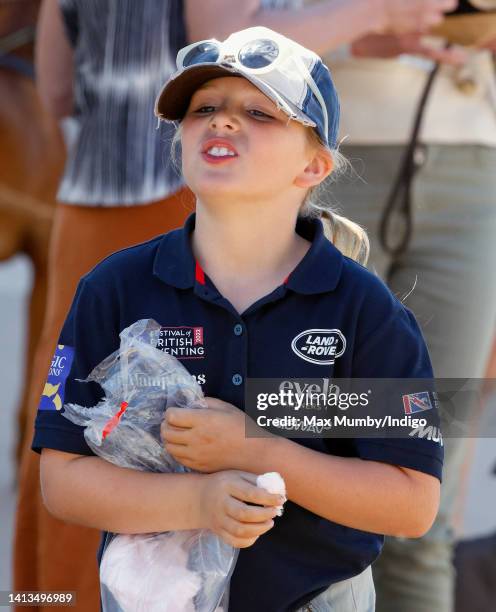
{"x":417,"y":402}
{"x":182,"y":342}
{"x":321,"y":346}
{"x":53,"y":393}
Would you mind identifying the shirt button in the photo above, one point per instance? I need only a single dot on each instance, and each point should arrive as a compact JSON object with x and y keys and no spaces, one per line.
{"x":237,"y":379}
{"x":238,"y":329}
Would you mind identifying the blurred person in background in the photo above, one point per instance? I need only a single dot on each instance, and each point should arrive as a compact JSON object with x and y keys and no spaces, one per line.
{"x":100,"y":62}
{"x":27,"y":189}
{"x":444,"y":269}
{"x":119,"y":188}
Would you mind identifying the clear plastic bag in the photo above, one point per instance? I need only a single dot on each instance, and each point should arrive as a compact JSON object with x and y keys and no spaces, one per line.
{"x":185,"y":571}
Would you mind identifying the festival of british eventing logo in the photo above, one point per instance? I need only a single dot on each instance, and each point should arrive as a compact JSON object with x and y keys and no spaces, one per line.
{"x":182,"y":342}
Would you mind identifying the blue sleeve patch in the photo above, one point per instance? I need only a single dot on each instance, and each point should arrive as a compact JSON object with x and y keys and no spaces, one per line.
{"x":53,"y":393}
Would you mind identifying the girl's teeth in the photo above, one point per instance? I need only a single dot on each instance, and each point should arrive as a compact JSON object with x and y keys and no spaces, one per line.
{"x":220,"y":152}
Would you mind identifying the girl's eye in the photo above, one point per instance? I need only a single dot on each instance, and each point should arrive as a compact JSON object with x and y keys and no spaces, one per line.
{"x":202,"y":110}
{"x":258,"y":113}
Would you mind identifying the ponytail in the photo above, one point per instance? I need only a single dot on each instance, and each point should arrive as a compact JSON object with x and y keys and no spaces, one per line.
{"x":347,"y":236}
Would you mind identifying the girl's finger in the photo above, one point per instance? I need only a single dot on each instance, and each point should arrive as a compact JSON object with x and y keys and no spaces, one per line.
{"x":183,"y":417}
{"x":178,"y":451}
{"x":247,"y":492}
{"x":248,"y":476}
{"x":245,"y":530}
{"x":236,"y":542}
{"x":249,"y":514}
{"x":175,"y":435}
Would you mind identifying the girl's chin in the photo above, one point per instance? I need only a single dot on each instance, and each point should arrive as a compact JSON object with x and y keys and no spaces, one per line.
{"x":219,"y":189}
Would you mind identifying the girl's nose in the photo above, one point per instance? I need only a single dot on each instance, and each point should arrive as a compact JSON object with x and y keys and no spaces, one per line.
{"x":223,"y":119}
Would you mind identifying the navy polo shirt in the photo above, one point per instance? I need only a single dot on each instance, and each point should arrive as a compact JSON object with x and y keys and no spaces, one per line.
{"x":304,"y":553}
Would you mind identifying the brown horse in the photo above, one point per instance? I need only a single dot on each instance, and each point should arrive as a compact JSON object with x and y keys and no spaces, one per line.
{"x":31,"y":161}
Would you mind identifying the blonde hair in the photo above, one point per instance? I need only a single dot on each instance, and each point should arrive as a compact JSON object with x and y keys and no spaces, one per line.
{"x":346,"y":235}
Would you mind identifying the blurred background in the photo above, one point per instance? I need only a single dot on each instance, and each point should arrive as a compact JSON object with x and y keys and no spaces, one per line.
{"x":15,"y":286}
{"x":64,"y":181}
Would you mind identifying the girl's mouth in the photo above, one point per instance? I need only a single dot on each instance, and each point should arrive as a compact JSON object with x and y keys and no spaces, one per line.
{"x":216,"y":151}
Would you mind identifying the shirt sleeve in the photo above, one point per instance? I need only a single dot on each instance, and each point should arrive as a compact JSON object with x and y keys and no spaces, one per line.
{"x":68,"y":9}
{"x":89,"y":334}
{"x":397,"y":349}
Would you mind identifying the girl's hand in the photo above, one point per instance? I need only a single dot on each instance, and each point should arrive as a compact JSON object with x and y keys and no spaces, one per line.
{"x":223,"y":498}
{"x":208,"y":439}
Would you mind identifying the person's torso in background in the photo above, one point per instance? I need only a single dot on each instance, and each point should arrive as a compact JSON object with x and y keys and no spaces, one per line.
{"x":124,"y":50}
{"x":379,"y":99}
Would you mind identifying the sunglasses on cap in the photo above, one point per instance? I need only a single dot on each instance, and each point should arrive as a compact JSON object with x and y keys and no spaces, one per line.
{"x":258,"y":57}
{"x":292,"y":76}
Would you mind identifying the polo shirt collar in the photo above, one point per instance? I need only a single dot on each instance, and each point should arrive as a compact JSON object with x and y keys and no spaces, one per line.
{"x":319,"y":270}
{"x":174,"y":262}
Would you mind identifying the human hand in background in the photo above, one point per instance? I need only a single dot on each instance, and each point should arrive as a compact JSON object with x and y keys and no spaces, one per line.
{"x":224,"y":501}
{"x":400,"y":16}
{"x":490,"y":45}
{"x":392,"y":45}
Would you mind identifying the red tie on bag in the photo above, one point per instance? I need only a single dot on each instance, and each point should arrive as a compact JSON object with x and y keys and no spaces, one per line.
{"x":114,"y":421}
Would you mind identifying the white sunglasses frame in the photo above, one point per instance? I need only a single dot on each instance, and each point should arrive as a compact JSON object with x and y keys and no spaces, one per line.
{"x":233,"y":59}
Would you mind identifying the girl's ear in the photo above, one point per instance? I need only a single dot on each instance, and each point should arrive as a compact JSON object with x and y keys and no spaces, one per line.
{"x":317,"y":169}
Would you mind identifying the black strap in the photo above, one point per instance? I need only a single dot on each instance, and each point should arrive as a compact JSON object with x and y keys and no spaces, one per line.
{"x":400,"y":195}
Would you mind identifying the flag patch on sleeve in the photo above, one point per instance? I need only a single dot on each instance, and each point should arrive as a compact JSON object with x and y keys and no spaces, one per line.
{"x":417,"y":402}
{"x":53,"y":393}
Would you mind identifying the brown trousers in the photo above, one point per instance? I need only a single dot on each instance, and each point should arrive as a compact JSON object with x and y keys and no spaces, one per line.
{"x":51,"y":555}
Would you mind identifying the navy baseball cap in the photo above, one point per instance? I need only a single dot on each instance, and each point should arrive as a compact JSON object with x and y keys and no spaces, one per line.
{"x":293,"y":77}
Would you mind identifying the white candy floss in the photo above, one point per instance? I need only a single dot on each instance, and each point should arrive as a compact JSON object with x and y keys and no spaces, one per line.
{"x":273,"y":483}
{"x":166,"y":561}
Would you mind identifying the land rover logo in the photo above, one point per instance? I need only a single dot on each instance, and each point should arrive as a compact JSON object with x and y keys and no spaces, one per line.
{"x":321,"y":346}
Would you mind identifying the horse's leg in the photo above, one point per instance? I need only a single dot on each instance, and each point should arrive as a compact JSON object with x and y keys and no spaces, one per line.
{"x":31,"y":161}
{"x":36,"y":314}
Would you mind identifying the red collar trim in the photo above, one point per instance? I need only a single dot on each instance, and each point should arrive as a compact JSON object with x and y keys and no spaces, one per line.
{"x":199,"y":274}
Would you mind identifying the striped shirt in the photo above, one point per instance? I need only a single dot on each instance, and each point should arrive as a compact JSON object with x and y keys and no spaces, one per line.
{"x":124,"y":50}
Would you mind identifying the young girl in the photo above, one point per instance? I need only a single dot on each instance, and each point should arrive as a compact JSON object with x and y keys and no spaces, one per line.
{"x":246,"y":276}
